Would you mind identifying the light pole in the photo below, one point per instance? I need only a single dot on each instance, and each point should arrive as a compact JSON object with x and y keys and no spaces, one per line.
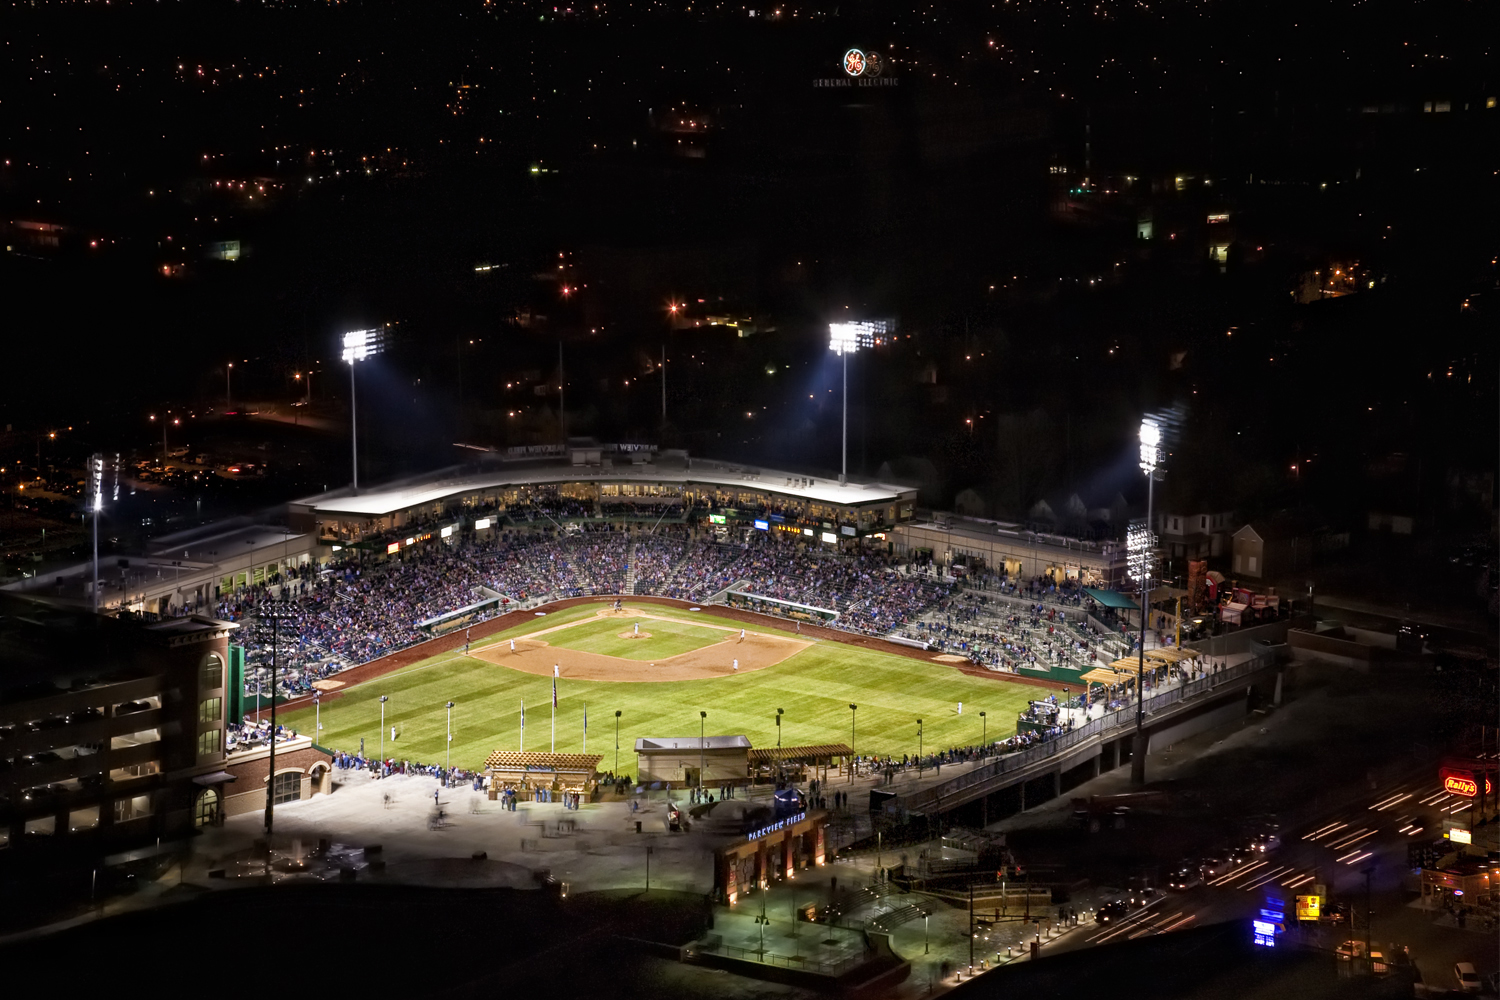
{"x":1140,"y":546}
{"x":448,"y":760}
{"x":919,"y":748}
{"x":228,"y":396}
{"x":702,"y":748}
{"x":852,"y":709}
{"x":844,"y":339}
{"x":984,"y":731}
{"x":383,"y":699}
{"x":778,"y":725}
{"x":318,"y":714}
{"x":276,"y":614}
{"x":359,"y":345}
{"x":617,"y":742}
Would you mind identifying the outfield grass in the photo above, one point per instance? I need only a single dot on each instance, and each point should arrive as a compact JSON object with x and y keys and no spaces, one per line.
{"x":666,"y":639}
{"x":815,"y":687}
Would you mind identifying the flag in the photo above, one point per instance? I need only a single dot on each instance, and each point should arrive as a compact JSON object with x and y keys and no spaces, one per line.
{"x":523,"y":713}
{"x":585,"y":717}
{"x":554,"y":685}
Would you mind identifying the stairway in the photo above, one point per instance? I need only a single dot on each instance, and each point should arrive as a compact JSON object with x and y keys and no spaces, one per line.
{"x":630,"y":569}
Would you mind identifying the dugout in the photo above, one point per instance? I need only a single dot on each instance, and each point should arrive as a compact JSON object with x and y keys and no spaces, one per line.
{"x":542,"y":776}
{"x":770,"y":853}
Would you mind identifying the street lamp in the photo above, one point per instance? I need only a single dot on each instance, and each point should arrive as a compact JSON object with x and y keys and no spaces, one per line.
{"x":778,"y":725}
{"x":359,"y":345}
{"x":984,"y":730}
{"x":383,"y":699}
{"x":844,"y":339}
{"x":852,"y":709}
{"x":1140,"y":545}
{"x":617,"y":742}
{"x":448,"y":760}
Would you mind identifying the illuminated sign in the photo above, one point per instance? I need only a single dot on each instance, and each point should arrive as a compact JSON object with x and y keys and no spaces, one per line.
{"x":808,"y":532}
{"x":1265,"y":933}
{"x":1457,"y":782}
{"x":393,"y":547}
{"x":763,"y":526}
{"x":778,"y":825}
{"x":481,"y":524}
{"x":1459,"y":835}
{"x":447,"y":531}
{"x":830,"y":537}
{"x":1309,"y":907}
{"x":716,"y":519}
{"x":861,"y":68}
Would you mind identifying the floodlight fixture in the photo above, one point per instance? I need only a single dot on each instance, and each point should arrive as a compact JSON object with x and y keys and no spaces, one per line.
{"x":359,"y":345}
{"x":844,"y":339}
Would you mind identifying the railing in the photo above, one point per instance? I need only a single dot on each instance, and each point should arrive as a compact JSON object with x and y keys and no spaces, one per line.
{"x":836,"y":968}
{"x":1090,"y":730}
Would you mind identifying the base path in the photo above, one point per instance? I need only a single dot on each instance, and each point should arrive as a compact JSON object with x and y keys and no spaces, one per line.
{"x":535,"y":656}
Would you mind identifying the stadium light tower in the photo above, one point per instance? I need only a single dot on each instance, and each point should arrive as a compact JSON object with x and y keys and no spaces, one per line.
{"x":359,"y":345}
{"x":844,"y":339}
{"x":1140,"y":546}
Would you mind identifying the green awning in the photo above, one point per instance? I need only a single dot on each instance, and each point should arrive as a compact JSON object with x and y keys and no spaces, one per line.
{"x":1113,"y":599}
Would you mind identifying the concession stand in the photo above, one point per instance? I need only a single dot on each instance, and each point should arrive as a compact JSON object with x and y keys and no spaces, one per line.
{"x":542,"y":776}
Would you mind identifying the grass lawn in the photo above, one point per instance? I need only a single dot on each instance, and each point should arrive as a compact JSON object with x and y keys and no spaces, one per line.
{"x":815,"y":687}
{"x":667,"y":638}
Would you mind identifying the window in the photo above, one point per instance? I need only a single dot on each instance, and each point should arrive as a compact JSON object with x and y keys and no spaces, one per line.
{"x":4,"y":837}
{"x":1251,"y":567}
{"x":44,"y":826}
{"x":211,"y":674}
{"x":133,"y":807}
{"x":288,"y":787}
{"x":210,"y":741}
{"x":210,"y":709}
{"x":80,"y":820}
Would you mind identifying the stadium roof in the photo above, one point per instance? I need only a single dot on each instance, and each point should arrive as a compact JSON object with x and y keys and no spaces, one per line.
{"x":556,"y":761}
{"x":1113,"y":599}
{"x":384,"y":500}
{"x":766,"y":755}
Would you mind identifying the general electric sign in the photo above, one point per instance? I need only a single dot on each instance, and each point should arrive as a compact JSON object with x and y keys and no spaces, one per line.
{"x":861,"y":68}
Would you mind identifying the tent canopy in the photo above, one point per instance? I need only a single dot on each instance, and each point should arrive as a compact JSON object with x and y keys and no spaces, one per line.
{"x":1112,"y":599}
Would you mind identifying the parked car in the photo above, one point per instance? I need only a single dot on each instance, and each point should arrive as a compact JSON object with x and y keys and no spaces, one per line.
{"x":1468,"y":980}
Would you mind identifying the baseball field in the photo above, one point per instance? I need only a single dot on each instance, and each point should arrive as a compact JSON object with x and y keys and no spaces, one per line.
{"x":658,"y":667}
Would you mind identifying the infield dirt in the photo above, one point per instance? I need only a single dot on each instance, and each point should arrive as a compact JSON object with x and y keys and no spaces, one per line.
{"x":534,"y":655}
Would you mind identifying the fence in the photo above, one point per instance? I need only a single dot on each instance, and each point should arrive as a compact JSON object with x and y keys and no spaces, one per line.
{"x":1089,"y":731}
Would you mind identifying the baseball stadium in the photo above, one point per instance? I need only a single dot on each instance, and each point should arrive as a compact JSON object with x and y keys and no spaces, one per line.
{"x":580,"y":598}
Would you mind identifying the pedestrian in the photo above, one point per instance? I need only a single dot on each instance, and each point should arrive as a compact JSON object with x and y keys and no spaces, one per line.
{"x":742,"y":635}
{"x":736,"y":664}
{"x":513,"y":645}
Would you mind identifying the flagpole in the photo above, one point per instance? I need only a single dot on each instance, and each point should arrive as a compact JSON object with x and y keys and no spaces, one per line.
{"x":523,"y":725}
{"x":585,"y":727}
{"x":554,"y":708}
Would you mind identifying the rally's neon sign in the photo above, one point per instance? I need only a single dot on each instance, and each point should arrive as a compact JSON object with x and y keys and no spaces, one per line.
{"x":1458,"y":785}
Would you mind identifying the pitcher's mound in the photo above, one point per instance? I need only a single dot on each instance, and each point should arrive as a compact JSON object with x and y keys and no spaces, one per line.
{"x":950,"y":658}
{"x":634,"y":635}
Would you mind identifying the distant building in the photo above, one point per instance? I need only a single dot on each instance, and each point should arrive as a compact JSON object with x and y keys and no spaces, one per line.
{"x":1202,"y":535}
{"x":112,"y":730}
